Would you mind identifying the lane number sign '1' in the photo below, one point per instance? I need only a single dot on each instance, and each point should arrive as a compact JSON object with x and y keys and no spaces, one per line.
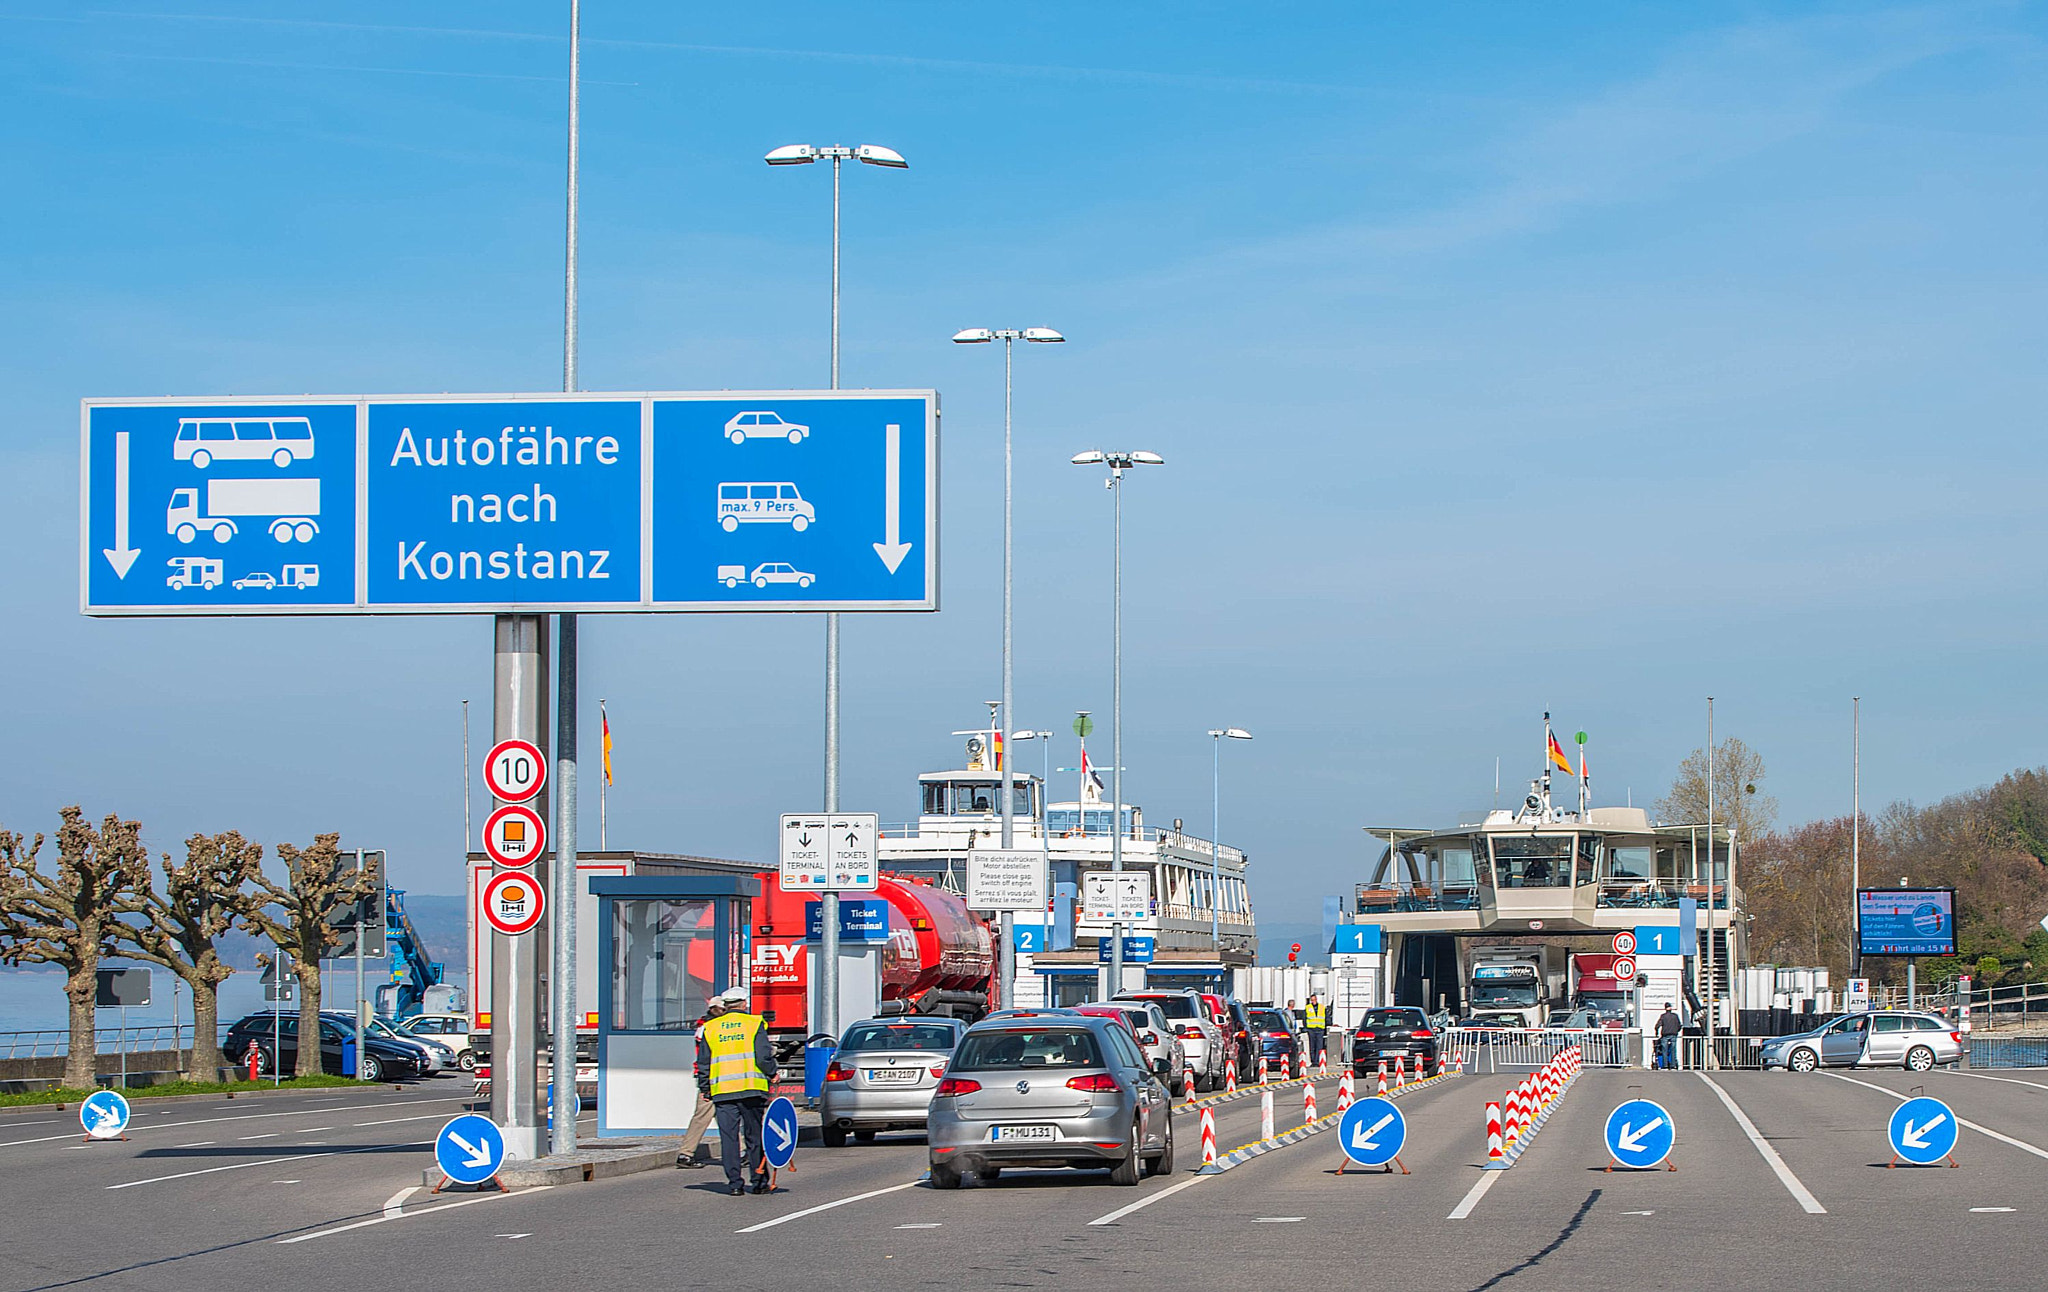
{"x":515,"y":771}
{"x":513,"y":903}
{"x":514,"y":835}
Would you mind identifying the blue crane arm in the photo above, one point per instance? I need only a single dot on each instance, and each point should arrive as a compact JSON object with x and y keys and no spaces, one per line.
{"x":411,"y":968}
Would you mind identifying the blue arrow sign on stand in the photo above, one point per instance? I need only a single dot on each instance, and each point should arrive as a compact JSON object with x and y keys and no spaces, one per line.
{"x":104,"y":1114}
{"x":1372,"y":1132}
{"x":778,"y":1132}
{"x":1640,"y":1133}
{"x":469,"y":1149}
{"x":1922,"y":1131}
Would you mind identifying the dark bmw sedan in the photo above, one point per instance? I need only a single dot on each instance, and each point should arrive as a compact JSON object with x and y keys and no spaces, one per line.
{"x":1278,"y":1041}
{"x":277,"y":1043}
{"x":1402,"y":1032}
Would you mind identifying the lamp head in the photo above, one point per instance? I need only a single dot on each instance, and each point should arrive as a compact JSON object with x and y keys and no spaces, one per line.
{"x":1044,"y":334}
{"x":792,"y":155}
{"x":876,"y":155}
{"x":973,"y":336}
{"x":1092,"y":458}
{"x":1144,"y":459}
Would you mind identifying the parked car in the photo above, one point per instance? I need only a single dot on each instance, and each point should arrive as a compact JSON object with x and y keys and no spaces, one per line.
{"x":1051,"y":1092}
{"x":1200,"y":1037}
{"x":1163,"y":1049}
{"x":435,"y":1057}
{"x":1879,"y":1039}
{"x":1396,"y":1032}
{"x":883,"y":1076}
{"x":1279,"y":1039}
{"x":381,"y":1060}
{"x":451,"y":1030}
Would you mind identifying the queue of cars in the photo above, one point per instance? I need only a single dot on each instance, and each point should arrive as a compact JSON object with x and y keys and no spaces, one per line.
{"x":389,"y":1053}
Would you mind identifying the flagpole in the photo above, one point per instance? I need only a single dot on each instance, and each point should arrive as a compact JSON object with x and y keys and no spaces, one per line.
{"x":604,"y":781}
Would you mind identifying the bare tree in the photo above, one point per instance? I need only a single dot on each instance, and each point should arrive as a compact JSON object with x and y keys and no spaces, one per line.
{"x":297,"y":915}
{"x":1738,"y":797}
{"x":180,"y":927}
{"x":69,"y":918}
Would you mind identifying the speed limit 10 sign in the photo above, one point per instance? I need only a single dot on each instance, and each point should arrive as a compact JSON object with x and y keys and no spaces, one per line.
{"x":1624,"y":970}
{"x":1624,"y":943}
{"x":515,"y":771}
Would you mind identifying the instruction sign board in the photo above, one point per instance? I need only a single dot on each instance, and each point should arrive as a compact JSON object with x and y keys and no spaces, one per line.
{"x":1116,"y":897}
{"x":103,"y":1114}
{"x":1640,"y":1134}
{"x":819,"y":853}
{"x":999,"y":880}
{"x":1922,"y":1131}
{"x":1372,"y":1131}
{"x":779,"y":1132}
{"x":1906,"y":921}
{"x":510,"y":504}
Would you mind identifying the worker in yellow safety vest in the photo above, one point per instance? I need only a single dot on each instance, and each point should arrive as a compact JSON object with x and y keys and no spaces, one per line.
{"x":1316,"y":1020}
{"x":733,"y":1048}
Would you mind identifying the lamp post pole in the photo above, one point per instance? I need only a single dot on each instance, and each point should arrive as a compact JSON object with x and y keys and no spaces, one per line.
{"x":1217,"y":735}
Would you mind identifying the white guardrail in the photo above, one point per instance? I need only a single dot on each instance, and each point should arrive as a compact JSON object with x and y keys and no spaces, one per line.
{"x":55,"y":1042}
{"x":1499,"y":1047}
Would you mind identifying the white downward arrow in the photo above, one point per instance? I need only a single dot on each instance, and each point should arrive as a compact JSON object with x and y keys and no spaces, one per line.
{"x":891,"y":551}
{"x":1362,"y":1136}
{"x":782,"y":1135}
{"x":479,"y":1155}
{"x":1631,"y":1139}
{"x":120,"y":555}
{"x":1916,"y":1136}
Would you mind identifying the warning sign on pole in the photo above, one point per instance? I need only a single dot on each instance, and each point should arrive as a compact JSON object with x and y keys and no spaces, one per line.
{"x":514,"y":835}
{"x":513,"y":903}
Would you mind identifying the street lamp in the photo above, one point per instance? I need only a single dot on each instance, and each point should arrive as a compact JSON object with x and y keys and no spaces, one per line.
{"x":1009,"y":337}
{"x":804,"y":155}
{"x":1218,"y":735}
{"x":1118,"y":462}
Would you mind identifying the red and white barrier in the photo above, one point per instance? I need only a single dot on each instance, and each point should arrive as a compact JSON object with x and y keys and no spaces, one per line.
{"x":1494,"y":1150}
{"x":1511,"y":1123}
{"x":1266,"y":1113}
{"x":1264,"y":1075}
{"x":1344,"y":1088}
{"x":1400,"y":1071}
{"x":1230,"y":1076}
{"x":1383,"y":1078}
{"x":1187,"y":1082}
{"x":1208,"y":1136}
{"x":1308,"y":1102}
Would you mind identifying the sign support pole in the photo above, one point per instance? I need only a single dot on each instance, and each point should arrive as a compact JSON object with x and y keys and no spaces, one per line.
{"x":518,"y":711}
{"x":566,"y":1103}
{"x":359,"y":920}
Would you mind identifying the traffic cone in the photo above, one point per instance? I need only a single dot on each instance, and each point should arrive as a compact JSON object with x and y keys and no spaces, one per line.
{"x":1344,"y":1088}
{"x":1208,"y":1136}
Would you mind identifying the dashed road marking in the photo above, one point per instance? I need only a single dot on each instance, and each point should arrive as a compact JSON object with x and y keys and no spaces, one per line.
{"x":2010,"y":1081}
{"x":827,"y":1206}
{"x":1464,"y":1209}
{"x":929,"y":1224}
{"x":1147,"y":1201}
{"x":2000,"y":1136}
{"x":268,"y":1135}
{"x":393,"y":1121}
{"x":1278,"y":1220}
{"x":1638,"y":1213}
{"x":446,"y":1206}
{"x":244,"y":1117}
{"x":1987,"y":1211}
{"x":284,"y":1181}
{"x":273,"y":1161}
{"x":313,"y":1130}
{"x":197,"y":1143}
{"x":1792,"y":1183}
{"x":525,"y":1235}
{"x":394,"y":1206}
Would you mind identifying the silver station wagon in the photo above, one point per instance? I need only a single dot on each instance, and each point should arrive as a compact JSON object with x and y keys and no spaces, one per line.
{"x":1884,"y":1038}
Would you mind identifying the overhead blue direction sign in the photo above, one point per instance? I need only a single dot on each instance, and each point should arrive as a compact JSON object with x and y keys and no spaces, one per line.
{"x":776,"y":500}
{"x":469,"y":1149}
{"x":779,"y":1132}
{"x":104,"y":1114}
{"x":1640,"y":1133}
{"x":1372,"y":1131}
{"x":1922,"y":1131}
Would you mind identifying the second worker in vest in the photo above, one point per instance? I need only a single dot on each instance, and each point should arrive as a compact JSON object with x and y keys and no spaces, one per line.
{"x":733,"y":1047}
{"x":1316,"y":1022}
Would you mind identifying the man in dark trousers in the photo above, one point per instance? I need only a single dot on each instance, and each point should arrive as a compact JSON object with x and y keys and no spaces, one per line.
{"x":1668,"y":1027}
{"x":703,"y":1111}
{"x":1316,"y":1022}
{"x":733,"y":1048}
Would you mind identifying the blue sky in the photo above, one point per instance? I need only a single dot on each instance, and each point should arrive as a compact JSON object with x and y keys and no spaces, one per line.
{"x":1595,"y":359}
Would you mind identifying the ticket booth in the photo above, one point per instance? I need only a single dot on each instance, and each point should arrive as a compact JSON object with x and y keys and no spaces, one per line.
{"x":667,"y":945}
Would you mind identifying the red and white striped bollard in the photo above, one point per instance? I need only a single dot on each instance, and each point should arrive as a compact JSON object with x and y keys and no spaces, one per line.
{"x":1208,"y":1136}
{"x":1494,"y":1151}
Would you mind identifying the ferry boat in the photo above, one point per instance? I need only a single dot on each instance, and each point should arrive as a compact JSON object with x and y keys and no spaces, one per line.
{"x":1544,"y":873}
{"x":1200,"y":926}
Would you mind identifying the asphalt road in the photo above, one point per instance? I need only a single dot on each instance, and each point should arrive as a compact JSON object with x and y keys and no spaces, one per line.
{"x":1809,"y":1202}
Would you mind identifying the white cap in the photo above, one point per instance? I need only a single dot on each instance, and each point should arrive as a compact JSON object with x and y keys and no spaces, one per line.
{"x":731,"y":996}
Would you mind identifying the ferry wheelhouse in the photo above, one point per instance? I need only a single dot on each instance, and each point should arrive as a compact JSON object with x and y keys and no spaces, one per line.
{"x":1200,"y":925}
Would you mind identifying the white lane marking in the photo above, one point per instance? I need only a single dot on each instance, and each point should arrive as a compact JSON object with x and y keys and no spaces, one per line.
{"x":284,"y":1181}
{"x":312,"y":1130}
{"x":2011,"y":1081}
{"x":244,"y":1117}
{"x":197,"y":1143}
{"x":1464,"y":1209}
{"x":410,"y":1215}
{"x":929,"y":1224}
{"x":392,"y":1121}
{"x":1960,"y":1121}
{"x":1638,"y":1213}
{"x":395,"y":1204}
{"x":525,"y":1235}
{"x":1764,"y":1150}
{"x":1278,"y":1220}
{"x":271,"y":1161}
{"x":825,"y":1206}
{"x":1986,"y":1211}
{"x":1147,"y":1201}
{"x":266,"y":1135}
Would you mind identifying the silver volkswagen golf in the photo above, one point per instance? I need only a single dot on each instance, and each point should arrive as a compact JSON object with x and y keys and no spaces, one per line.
{"x":1051,"y":1091}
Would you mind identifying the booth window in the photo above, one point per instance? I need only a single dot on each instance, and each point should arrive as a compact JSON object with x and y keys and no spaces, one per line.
{"x":664,"y":953}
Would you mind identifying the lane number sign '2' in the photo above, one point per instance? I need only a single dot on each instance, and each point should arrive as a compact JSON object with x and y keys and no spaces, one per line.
{"x":515,"y":771}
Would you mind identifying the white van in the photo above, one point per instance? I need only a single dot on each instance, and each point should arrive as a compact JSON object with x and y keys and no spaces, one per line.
{"x":746,"y":502}
{"x":202,"y":441}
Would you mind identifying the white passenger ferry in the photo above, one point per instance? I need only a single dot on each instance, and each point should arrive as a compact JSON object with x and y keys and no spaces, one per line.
{"x":1200,"y":926}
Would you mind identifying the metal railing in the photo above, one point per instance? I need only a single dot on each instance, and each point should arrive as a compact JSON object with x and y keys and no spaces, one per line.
{"x":2008,"y":1051}
{"x":55,"y":1042}
{"x":1495,"y":1048}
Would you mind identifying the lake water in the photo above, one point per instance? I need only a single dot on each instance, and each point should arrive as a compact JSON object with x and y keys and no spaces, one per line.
{"x":32,"y":1000}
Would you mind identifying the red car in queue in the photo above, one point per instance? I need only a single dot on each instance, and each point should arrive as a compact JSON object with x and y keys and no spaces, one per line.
{"x":1394,"y":1032}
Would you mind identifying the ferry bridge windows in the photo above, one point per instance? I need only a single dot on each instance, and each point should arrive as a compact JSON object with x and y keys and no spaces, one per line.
{"x":1534,"y":861}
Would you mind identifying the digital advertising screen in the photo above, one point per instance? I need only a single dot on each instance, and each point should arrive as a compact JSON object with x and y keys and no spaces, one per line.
{"x":1906,"y":921}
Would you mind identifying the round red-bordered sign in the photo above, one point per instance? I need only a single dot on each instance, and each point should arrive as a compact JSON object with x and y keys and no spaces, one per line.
{"x":513,"y":903}
{"x":1624,"y":969}
{"x":514,"y":835}
{"x":1624,"y":943}
{"x":515,"y":771}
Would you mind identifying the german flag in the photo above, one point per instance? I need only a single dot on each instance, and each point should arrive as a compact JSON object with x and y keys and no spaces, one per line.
{"x":1557,"y":754}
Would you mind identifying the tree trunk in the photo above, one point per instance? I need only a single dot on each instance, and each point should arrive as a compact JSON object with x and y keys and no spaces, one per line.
{"x":205,"y":1063}
{"x":309,"y":1018}
{"x":81,"y":1058}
